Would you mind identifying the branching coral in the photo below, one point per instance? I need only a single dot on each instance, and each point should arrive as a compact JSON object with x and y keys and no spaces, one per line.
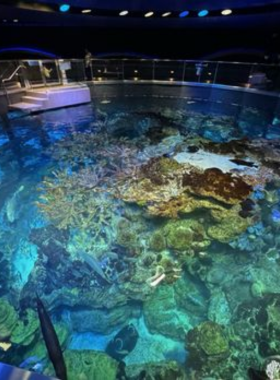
{"x":68,"y":204}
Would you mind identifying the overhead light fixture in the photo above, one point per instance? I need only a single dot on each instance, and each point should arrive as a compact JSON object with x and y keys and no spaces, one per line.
{"x":226,"y":12}
{"x":85,"y":11}
{"x":166,"y":14}
{"x":4,"y":20}
{"x":184,"y":14}
{"x":149,"y":14}
{"x":203,"y":13}
{"x":123,"y":13}
{"x":15,"y":20}
{"x":64,"y":7}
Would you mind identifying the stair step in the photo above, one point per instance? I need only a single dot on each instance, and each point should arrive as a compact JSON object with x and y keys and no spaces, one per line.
{"x":33,"y":100}
{"x":35,"y":94}
{"x":12,"y":83}
{"x":25,"y":106}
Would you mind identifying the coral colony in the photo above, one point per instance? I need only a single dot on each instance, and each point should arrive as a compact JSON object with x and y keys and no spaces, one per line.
{"x":152,"y":238}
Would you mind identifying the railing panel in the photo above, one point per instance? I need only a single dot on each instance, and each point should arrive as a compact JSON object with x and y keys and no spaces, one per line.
{"x":169,"y":70}
{"x":74,"y":69}
{"x":50,"y":72}
{"x":107,"y":69}
{"x":33,"y":73}
{"x":265,"y":77}
{"x":234,"y":74}
{"x":55,"y":72}
{"x":138,"y":69}
{"x":191,"y":72}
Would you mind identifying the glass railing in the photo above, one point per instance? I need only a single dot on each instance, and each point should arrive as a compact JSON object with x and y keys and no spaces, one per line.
{"x":59,"y":72}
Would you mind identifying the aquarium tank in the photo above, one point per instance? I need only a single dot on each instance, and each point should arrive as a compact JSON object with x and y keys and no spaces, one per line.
{"x":140,"y":238}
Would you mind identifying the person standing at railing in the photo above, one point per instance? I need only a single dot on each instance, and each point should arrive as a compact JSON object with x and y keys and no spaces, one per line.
{"x":88,"y":58}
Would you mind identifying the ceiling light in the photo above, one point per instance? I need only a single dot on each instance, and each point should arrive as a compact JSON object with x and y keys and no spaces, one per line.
{"x":123,"y":13}
{"x":184,"y":14}
{"x":203,"y":13}
{"x":64,"y":8}
{"x":226,"y":12}
{"x":4,"y":20}
{"x":15,"y":20}
{"x":149,"y":14}
{"x":86,"y":11}
{"x":166,"y":14}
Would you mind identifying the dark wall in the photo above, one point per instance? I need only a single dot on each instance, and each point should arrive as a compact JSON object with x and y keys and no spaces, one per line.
{"x":244,"y":45}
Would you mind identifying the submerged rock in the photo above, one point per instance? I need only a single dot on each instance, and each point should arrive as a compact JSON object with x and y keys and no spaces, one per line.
{"x":162,"y":315}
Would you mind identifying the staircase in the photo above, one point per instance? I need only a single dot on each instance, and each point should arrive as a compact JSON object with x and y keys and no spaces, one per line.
{"x":31,"y":101}
{"x":52,"y":98}
{"x":12,"y":86}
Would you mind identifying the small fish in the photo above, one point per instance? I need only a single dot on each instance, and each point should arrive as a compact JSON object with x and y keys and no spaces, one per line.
{"x":105,"y":101}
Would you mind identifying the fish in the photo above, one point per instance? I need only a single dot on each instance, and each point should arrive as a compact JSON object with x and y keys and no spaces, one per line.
{"x":105,"y":101}
{"x":51,"y":341}
{"x":12,"y":205}
{"x":123,"y":343}
{"x":95,"y":265}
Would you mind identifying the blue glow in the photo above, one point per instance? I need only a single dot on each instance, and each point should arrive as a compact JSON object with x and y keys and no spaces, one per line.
{"x":28,"y":50}
{"x":64,"y":8}
{"x":203,"y":13}
{"x":184,"y":14}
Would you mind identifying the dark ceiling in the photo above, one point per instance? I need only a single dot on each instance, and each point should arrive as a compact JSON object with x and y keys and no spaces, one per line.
{"x":251,"y":32}
{"x":105,"y":13}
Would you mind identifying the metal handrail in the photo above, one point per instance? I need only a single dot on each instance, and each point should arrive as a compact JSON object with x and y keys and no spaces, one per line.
{"x":13,"y":74}
{"x":8,"y":79}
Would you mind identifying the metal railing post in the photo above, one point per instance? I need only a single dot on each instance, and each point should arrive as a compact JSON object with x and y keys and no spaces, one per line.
{"x":216,"y":73}
{"x":184,"y":71}
{"x":123,"y":70}
{"x":153,"y":72}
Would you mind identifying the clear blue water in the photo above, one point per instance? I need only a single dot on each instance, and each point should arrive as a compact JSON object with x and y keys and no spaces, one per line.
{"x":158,"y":213}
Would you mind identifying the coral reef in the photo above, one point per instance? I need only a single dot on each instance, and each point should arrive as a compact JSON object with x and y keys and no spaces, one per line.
{"x":84,"y":365}
{"x":8,"y":319}
{"x":162,"y":315}
{"x":164,"y":218}
{"x":26,"y":329}
{"x":214,"y":183}
{"x":167,"y":370}
{"x":185,"y":235}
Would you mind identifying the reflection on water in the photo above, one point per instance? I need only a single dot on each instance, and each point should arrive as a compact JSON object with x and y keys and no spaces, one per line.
{"x":150,"y":231}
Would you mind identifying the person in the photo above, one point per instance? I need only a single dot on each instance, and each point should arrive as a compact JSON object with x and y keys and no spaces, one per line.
{"x":46,"y":72}
{"x":88,"y":58}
